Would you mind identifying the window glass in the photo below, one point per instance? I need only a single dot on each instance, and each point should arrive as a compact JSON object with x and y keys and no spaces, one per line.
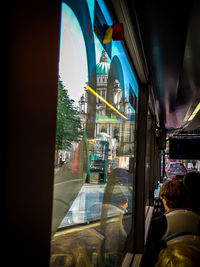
{"x":94,"y":154}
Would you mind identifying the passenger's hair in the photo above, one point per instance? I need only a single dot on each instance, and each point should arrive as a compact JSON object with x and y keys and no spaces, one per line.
{"x":118,"y":199}
{"x":191,"y":182}
{"x":179,"y":255}
{"x":173,"y":192}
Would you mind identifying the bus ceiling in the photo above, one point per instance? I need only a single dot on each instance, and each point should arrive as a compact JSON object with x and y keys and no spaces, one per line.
{"x":169,"y":36}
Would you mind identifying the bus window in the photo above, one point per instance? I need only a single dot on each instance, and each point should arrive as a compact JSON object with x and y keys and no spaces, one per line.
{"x":94,"y":155}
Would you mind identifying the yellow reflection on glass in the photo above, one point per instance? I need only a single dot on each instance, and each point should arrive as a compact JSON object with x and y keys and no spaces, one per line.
{"x":194,"y":112}
{"x":106,"y":102}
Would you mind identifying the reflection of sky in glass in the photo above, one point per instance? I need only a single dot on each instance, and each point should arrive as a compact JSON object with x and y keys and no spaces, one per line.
{"x":73,"y":60}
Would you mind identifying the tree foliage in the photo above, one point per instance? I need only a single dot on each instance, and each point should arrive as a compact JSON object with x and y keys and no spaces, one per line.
{"x":68,"y":121}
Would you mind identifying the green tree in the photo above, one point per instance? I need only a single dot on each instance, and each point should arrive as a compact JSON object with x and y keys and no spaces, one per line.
{"x":68,"y":121}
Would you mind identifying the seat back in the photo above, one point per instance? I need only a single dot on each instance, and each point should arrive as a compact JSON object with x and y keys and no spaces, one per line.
{"x":187,"y":238}
{"x":182,"y":221}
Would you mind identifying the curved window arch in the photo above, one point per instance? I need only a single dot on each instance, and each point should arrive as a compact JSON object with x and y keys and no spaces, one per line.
{"x":115,"y":84}
{"x":116,"y":72}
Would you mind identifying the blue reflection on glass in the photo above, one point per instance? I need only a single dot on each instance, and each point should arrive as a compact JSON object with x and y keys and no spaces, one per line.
{"x":91,"y":10}
{"x":117,"y":50}
{"x":105,"y":12}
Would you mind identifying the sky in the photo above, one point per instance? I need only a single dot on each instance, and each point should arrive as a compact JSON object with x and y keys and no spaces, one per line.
{"x":73,"y":60}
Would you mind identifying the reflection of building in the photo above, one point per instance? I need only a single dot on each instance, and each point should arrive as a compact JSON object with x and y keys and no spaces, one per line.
{"x":113,"y":125}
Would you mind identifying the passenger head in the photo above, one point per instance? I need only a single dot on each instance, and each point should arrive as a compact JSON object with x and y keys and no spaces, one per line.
{"x":172,"y":194}
{"x":120,"y":200}
{"x":191,"y":182}
{"x":179,"y":255}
